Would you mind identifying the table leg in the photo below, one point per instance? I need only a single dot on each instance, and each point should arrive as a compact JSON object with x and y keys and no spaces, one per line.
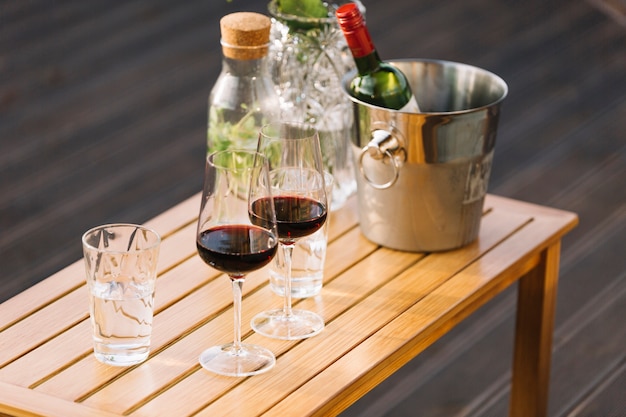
{"x":533,"y":336}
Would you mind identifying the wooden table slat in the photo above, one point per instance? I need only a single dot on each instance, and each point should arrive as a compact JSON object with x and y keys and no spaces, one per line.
{"x":21,"y":402}
{"x":41,"y":294}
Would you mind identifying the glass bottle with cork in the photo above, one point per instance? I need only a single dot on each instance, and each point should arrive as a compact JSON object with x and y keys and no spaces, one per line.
{"x":243,"y":98}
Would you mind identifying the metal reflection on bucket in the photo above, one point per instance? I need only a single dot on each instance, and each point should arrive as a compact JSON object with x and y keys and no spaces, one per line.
{"x":423,"y":176}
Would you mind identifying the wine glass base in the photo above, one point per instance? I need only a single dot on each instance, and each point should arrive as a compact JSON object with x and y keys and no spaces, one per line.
{"x":300,"y":325}
{"x":246,"y":361}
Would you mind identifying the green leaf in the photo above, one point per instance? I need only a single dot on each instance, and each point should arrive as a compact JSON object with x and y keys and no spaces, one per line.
{"x":303,"y":8}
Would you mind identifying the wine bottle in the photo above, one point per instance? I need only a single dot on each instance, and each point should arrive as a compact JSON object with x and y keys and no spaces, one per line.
{"x":378,"y":82}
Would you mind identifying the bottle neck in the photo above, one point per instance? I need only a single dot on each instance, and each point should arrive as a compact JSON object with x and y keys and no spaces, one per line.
{"x":367,"y":64}
{"x":365,"y":56}
{"x":358,"y":38}
{"x":245,"y":67}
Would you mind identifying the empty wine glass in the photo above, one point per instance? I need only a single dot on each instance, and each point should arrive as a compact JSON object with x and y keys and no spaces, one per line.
{"x":297,"y":180}
{"x":229,"y":241}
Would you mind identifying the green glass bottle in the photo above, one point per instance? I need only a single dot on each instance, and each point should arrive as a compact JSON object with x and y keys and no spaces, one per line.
{"x":378,"y":83}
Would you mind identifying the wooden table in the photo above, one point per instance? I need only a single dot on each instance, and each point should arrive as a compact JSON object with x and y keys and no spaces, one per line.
{"x":381,"y":307}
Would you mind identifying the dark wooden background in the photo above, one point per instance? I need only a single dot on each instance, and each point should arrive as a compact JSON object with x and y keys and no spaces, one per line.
{"x":103,"y":118}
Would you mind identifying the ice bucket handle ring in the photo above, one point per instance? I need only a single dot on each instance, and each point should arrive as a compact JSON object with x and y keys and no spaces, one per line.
{"x":383,"y":146}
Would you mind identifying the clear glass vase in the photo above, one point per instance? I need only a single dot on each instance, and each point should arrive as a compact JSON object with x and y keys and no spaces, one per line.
{"x":308,"y":58}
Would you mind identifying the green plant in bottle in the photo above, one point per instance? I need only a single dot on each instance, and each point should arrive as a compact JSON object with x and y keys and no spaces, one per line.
{"x":303,"y":8}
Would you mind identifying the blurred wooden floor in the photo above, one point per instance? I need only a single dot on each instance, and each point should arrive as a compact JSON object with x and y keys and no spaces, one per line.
{"x":103,"y":118}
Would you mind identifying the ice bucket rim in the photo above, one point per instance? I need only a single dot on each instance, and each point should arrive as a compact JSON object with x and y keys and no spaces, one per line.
{"x":505,"y":89}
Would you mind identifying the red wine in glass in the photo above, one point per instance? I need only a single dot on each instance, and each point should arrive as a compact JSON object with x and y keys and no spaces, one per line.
{"x":236,"y":249}
{"x":296,"y":217}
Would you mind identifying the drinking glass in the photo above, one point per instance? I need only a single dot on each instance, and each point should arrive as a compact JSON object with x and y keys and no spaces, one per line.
{"x":121,"y":267}
{"x":233,"y":241}
{"x":307,"y":260}
{"x":299,"y":192}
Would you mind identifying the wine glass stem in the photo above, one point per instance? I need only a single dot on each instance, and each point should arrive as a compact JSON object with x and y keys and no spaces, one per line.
{"x":237,"y":284}
{"x":288,"y":251}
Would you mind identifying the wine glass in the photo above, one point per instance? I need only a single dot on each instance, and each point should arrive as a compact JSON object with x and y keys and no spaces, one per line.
{"x":297,"y":179}
{"x":230,"y":242}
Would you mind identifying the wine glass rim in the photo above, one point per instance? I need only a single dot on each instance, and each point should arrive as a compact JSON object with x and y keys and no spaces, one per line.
{"x":211,"y":158}
{"x":298,"y":130}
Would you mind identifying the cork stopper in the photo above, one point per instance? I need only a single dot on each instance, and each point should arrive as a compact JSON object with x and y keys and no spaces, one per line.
{"x":245,"y":35}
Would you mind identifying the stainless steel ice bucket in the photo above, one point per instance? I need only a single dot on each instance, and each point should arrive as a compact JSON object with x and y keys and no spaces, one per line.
{"x":423,"y":176}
